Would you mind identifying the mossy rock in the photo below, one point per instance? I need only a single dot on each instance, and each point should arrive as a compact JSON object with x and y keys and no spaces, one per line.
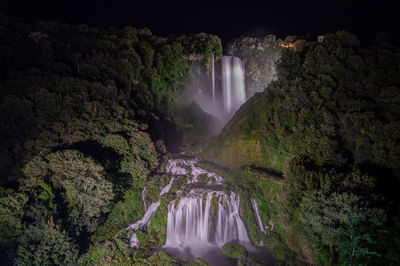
{"x":162,"y":258}
{"x":203,"y":179}
{"x":234,"y":250}
{"x":199,"y":262}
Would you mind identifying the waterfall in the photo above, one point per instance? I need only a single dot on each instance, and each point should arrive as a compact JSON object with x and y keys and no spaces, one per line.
{"x":144,"y":222}
{"x":175,"y":167}
{"x":213,"y":78}
{"x":226,"y":83}
{"x":220,"y":94}
{"x":144,"y":199}
{"x":202,"y":220}
{"x":190,"y":222}
{"x":167,"y":187}
{"x":233,"y":83}
{"x":257,"y":216}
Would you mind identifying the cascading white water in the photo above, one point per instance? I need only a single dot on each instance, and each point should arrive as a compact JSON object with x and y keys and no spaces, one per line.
{"x":144,"y":199}
{"x":238,"y":77}
{"x":201,"y":221}
{"x":226,"y":83}
{"x":190,"y":222}
{"x":144,"y":222}
{"x":257,"y":216}
{"x":173,"y":167}
{"x":213,"y":78}
{"x":167,"y":187}
{"x":141,"y":224}
{"x":204,"y":219}
{"x":233,"y":83}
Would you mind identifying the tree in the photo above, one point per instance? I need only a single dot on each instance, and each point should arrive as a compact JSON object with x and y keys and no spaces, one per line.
{"x":340,"y":222}
{"x":46,"y":245}
{"x":11,"y":226}
{"x":84,"y":186}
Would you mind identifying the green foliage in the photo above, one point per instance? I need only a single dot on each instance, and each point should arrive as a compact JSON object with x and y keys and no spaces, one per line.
{"x":84,"y":78}
{"x":323,"y":105}
{"x":122,"y":213}
{"x":110,"y":253}
{"x":203,"y":45}
{"x":334,"y":212}
{"x":131,"y":34}
{"x":203,"y":178}
{"x":161,"y":258}
{"x":157,"y":231}
{"x":45,"y":245}
{"x":214,"y":206}
{"x":330,"y":104}
{"x":11,"y":224}
{"x":11,"y":214}
{"x":234,"y":250}
{"x":83,"y":186}
{"x":73,"y":108}
{"x":267,"y":193}
{"x":195,"y":124}
{"x":48,"y":195}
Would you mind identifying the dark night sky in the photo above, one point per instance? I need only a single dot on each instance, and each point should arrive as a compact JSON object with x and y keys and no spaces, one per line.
{"x":226,"y":19}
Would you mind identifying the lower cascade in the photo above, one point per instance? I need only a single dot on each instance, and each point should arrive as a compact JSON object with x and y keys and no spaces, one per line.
{"x":191,"y":221}
{"x":200,"y":220}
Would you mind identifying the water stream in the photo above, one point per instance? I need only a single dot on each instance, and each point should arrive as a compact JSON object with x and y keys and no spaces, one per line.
{"x":257,"y":216}
{"x":233,"y":83}
{"x":202,"y":220}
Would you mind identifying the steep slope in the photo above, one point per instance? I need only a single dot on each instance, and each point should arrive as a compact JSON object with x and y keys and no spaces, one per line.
{"x":330,"y":124}
{"x":333,"y":102}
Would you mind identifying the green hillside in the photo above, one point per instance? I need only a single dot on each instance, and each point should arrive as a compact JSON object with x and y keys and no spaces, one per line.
{"x":330,"y":124}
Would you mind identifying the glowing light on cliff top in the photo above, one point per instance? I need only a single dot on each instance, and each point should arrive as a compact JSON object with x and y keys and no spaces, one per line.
{"x":289,"y":45}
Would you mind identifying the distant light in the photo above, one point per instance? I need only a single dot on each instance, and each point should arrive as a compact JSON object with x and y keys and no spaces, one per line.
{"x":290,"y":45}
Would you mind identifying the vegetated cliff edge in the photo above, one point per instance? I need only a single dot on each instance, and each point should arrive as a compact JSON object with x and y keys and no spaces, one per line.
{"x":330,"y":123}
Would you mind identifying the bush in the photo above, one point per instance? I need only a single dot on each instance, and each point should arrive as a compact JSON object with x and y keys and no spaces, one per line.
{"x":234,"y":250}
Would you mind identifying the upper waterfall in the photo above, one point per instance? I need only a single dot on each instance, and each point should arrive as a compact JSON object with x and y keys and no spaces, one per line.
{"x":222,"y":90}
{"x":213,"y":77}
{"x":233,"y":83}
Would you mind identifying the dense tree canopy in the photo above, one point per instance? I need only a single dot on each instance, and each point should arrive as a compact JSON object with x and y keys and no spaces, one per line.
{"x":76,"y":151}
